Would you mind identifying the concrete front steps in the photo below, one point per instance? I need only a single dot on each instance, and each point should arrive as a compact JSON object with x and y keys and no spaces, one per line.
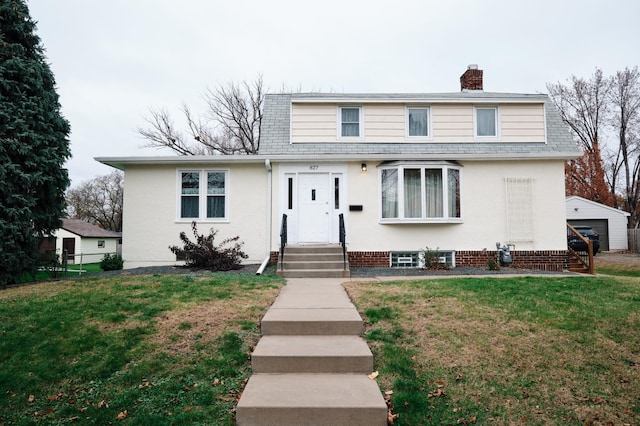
{"x":313,"y":261}
{"x":311,"y":365}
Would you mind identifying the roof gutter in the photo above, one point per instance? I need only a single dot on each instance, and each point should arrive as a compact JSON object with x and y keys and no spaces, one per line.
{"x":267,"y":165}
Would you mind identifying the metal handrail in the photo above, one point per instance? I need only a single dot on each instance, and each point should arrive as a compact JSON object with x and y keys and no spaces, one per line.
{"x":586,"y":260}
{"x":343,"y":239}
{"x":283,"y":240}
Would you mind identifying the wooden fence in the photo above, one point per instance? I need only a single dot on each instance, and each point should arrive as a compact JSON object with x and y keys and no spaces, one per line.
{"x":634,"y":240}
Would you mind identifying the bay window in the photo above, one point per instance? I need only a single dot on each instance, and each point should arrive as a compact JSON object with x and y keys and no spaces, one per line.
{"x":420,"y":192}
{"x":202,"y":194}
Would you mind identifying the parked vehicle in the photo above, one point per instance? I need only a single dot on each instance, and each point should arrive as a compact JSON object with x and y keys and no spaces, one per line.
{"x":586,"y":231}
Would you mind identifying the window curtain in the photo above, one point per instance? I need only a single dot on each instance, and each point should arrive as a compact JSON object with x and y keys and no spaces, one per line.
{"x":412,"y":193}
{"x":215,"y":194}
{"x":189,"y":201}
{"x":433,"y":192}
{"x":486,"y":121}
{"x":453,"y":180}
{"x":350,"y":122}
{"x":390,"y":193}
{"x":418,"y":122}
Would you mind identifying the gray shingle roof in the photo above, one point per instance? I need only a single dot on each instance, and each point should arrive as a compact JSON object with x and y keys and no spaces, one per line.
{"x":88,"y":230}
{"x":275,"y":137}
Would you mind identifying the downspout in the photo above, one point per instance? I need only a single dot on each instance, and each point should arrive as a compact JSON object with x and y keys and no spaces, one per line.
{"x":267,"y":164}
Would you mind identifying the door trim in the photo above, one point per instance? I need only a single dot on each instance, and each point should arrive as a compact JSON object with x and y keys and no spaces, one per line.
{"x":288,"y":199}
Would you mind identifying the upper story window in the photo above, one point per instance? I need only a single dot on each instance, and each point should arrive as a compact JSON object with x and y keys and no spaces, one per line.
{"x":350,"y":122}
{"x":418,"y":122}
{"x":486,"y":120}
{"x":420,"y":193}
{"x":202,"y":194}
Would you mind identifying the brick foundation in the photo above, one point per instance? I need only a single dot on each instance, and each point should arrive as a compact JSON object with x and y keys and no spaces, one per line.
{"x":545,"y":260}
{"x":369,"y":259}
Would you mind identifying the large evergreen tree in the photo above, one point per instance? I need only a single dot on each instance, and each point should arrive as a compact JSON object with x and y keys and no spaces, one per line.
{"x":33,"y":144}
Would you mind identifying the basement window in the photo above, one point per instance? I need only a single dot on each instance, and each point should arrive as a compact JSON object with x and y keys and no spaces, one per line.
{"x":405,"y":259}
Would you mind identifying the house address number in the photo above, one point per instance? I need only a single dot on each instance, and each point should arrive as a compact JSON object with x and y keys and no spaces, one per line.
{"x":314,"y":167}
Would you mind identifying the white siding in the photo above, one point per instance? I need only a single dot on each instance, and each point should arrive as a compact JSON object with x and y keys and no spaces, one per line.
{"x":150,"y":222}
{"x":579,"y":208}
{"x":86,"y":249}
{"x":386,"y":123}
{"x":483,"y":209}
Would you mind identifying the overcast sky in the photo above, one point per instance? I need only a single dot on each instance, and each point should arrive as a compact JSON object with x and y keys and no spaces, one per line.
{"x":113,"y":60}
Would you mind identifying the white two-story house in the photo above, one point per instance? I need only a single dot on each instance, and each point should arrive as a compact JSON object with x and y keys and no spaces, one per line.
{"x":452,"y":172}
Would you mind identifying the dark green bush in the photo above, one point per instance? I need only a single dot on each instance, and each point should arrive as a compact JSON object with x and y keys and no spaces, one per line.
{"x":111,"y":262}
{"x":203,"y":253}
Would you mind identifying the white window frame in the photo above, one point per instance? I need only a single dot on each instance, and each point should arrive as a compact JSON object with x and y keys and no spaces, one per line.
{"x":360,"y":122}
{"x":407,"y":128}
{"x":202,"y":196}
{"x":400,"y":167}
{"x":496,"y":122}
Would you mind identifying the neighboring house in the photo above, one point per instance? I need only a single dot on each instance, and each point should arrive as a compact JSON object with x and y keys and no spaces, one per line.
{"x":84,"y":242}
{"x":609,"y":222}
{"x":456,"y":172}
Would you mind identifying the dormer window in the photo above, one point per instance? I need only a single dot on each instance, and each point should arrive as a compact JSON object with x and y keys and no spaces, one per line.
{"x":486,"y":122}
{"x":418,"y":122}
{"x":350,"y":122}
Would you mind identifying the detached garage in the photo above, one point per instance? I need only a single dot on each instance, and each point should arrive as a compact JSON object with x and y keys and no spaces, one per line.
{"x":610,"y":223}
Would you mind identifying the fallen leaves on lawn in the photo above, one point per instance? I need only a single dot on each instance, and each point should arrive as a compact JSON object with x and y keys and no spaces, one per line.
{"x":390,"y":414}
{"x":373,"y":375}
{"x":122,"y":415}
{"x":439,"y":391}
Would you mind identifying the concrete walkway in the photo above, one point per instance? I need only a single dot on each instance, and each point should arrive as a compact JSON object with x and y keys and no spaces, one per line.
{"x":311,"y":365}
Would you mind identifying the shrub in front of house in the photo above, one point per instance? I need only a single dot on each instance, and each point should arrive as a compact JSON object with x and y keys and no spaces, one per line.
{"x":204,"y":253}
{"x":111,"y":262}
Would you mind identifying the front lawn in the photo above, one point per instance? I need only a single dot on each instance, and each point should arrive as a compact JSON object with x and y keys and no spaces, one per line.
{"x":138,"y":349}
{"x":525,"y":350}
{"x":175,"y":349}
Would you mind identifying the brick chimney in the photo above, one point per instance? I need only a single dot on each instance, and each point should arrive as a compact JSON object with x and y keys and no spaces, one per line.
{"x":471,"y":79}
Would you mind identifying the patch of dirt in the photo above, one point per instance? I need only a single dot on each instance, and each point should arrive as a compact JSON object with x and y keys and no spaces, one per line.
{"x":179,"y":330}
{"x":620,"y":258}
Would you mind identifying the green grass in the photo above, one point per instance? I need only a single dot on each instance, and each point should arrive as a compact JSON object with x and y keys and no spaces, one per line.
{"x":86,"y":267}
{"x":94,"y":349}
{"x":618,"y":271}
{"x":623,"y":265}
{"x":526,"y":350}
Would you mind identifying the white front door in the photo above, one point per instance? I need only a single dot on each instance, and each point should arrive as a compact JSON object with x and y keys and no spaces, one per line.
{"x":314,"y":208}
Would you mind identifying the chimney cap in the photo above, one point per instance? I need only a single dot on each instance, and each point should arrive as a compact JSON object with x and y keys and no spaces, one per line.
{"x":472,"y":66}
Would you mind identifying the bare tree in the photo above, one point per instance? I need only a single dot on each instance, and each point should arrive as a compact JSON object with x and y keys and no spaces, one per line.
{"x":98,"y":201}
{"x":625,"y":100}
{"x":584,"y":106}
{"x":231,"y":125}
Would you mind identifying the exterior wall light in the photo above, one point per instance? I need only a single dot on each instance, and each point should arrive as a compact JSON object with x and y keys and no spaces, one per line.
{"x":363,"y":167}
